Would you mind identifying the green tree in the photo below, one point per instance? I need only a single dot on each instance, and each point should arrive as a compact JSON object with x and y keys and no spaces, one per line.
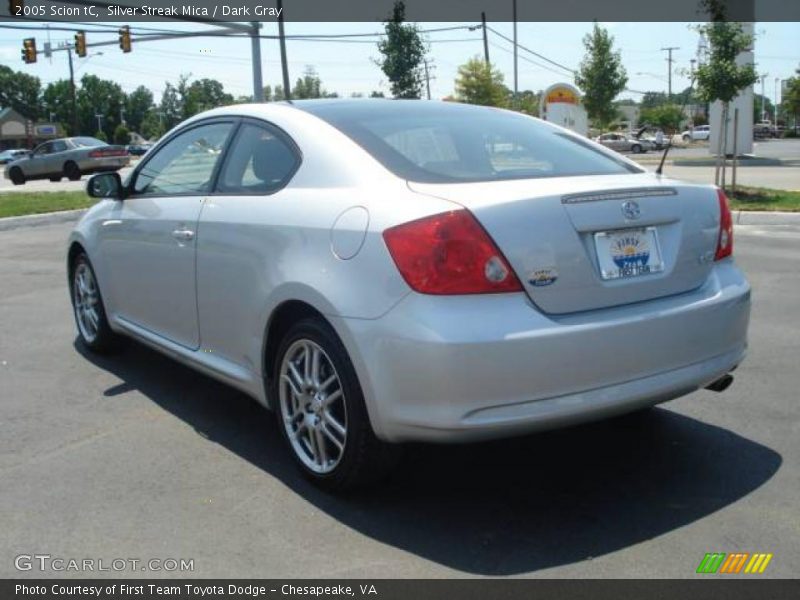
{"x":202,"y":94}
{"x":310,"y":86}
{"x":667,"y":117}
{"x":403,"y":52}
{"x":759,"y":104}
{"x":720,"y":77}
{"x":101,"y":135}
{"x":479,"y":83}
{"x":57,"y":101}
{"x":600,"y":76}
{"x":376,"y":94}
{"x":171,"y":107}
{"x":137,"y":105}
{"x":122,"y":135}
{"x":21,"y":92}
{"x":790,"y":102}
{"x":528,"y":102}
{"x":99,"y":97}
{"x":152,"y":128}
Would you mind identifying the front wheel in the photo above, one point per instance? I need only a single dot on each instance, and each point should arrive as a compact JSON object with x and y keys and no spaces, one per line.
{"x":72,"y":171}
{"x":16,"y":175}
{"x":636,"y":149}
{"x":321,"y":411}
{"x":87,"y":306}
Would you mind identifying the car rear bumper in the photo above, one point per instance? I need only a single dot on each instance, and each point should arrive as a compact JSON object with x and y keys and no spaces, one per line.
{"x":465,"y":368}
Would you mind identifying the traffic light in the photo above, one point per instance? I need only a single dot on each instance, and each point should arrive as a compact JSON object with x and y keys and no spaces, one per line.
{"x":29,"y":50}
{"x":125,"y":38}
{"x":15,"y":8}
{"x":80,"y":43}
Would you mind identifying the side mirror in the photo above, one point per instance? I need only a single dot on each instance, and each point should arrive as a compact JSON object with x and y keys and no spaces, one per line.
{"x":105,"y":185}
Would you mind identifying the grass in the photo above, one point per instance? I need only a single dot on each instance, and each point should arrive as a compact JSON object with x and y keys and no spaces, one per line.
{"x":15,"y":204}
{"x":764,"y":199}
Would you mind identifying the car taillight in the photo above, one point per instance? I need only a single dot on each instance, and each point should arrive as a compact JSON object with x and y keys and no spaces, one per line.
{"x":725,"y":239}
{"x":104,"y":153}
{"x":449,"y":253}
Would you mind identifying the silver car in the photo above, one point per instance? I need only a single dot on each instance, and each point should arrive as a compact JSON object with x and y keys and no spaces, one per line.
{"x":622,"y":143}
{"x":68,"y":157}
{"x":379,"y":271}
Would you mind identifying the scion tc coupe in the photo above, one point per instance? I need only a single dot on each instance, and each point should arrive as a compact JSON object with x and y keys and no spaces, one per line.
{"x":377,"y":272}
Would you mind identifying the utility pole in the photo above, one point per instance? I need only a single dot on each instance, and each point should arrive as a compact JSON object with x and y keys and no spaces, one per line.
{"x":763,"y":98}
{"x":99,"y":118}
{"x":255,"y":46}
{"x":775,"y":103}
{"x":516,"y":71}
{"x":669,"y":50}
{"x":485,"y":39}
{"x":122,"y":115}
{"x":73,"y":102}
{"x":427,"y":77}
{"x":287,"y":87}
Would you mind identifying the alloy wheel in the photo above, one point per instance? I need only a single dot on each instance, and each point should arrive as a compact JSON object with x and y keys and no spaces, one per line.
{"x":312,"y":405}
{"x":86,"y":301}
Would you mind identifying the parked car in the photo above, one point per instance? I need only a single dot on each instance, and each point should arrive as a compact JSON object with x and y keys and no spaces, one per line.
{"x":67,"y":157}
{"x":8,"y":156}
{"x":701,"y":132}
{"x":136,"y":149}
{"x":379,"y":272}
{"x":623,"y":143}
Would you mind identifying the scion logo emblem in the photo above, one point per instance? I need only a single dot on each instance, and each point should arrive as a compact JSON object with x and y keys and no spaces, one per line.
{"x":630,"y":210}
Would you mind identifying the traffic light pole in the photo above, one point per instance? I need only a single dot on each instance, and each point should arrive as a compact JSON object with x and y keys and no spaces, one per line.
{"x":72,"y":94}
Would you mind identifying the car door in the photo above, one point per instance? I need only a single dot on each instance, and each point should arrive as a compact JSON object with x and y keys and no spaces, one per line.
{"x":242,"y":237}
{"x":148,"y":242}
{"x":53,"y":163}
{"x":36,"y":165}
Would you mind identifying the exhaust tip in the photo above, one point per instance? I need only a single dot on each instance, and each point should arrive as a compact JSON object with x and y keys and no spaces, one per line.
{"x":721,"y":384}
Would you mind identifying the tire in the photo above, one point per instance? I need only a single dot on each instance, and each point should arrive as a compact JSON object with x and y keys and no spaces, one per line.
{"x":687,"y":138}
{"x":93,"y":332}
{"x":17,"y":176}
{"x":636,"y":149}
{"x":71,"y":171}
{"x":331,"y":440}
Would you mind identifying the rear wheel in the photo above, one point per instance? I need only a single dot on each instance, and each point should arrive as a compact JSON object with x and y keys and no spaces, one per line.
{"x":321,"y":411}
{"x":88,"y":309}
{"x":16,"y":175}
{"x":687,"y":138}
{"x":636,"y":149}
{"x":72,"y":171}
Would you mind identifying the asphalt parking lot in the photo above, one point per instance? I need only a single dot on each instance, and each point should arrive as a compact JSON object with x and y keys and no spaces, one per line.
{"x":137,"y":457}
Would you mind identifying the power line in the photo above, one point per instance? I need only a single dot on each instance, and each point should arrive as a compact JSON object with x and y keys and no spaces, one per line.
{"x":528,"y":50}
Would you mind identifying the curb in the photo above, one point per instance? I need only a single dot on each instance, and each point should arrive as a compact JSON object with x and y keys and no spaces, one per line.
{"x":752,"y":217}
{"x":62,"y":216}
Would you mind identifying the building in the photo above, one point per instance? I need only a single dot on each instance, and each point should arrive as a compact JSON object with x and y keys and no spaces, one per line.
{"x":18,"y":132}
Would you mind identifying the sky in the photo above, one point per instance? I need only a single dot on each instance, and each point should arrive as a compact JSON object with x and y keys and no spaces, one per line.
{"x":349,"y":67}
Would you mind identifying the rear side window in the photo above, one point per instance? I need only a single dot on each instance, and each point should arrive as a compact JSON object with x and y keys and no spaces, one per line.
{"x":437,"y":142}
{"x":259,"y":162}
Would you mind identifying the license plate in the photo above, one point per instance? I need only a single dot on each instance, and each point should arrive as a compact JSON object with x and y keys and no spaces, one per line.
{"x":628,"y":252}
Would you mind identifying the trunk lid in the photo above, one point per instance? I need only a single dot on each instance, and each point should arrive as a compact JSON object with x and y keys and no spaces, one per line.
{"x":567,"y":238}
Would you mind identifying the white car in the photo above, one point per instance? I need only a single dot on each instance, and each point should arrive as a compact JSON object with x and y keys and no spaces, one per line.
{"x":385,"y":271}
{"x":701,"y":132}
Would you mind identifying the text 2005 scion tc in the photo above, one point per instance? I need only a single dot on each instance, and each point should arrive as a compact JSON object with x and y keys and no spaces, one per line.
{"x":386,"y":271}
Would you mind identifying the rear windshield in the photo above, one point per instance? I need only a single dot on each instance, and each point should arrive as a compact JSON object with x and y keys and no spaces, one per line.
{"x":439,"y":142}
{"x":87,"y":142}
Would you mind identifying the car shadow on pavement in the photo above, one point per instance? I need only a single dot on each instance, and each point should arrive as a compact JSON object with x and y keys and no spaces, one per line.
{"x":498,"y":508}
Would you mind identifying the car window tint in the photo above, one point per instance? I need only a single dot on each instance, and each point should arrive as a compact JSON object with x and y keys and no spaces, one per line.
{"x":59,"y":146}
{"x":448,"y":142}
{"x":185,"y":164}
{"x":259,"y":162}
{"x":43,"y":149}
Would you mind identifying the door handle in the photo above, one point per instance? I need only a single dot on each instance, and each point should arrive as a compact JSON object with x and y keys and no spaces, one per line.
{"x":183,"y":235}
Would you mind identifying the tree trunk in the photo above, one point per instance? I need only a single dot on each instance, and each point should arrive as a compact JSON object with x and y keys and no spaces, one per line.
{"x":725,"y":110}
{"x":718,"y":162}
